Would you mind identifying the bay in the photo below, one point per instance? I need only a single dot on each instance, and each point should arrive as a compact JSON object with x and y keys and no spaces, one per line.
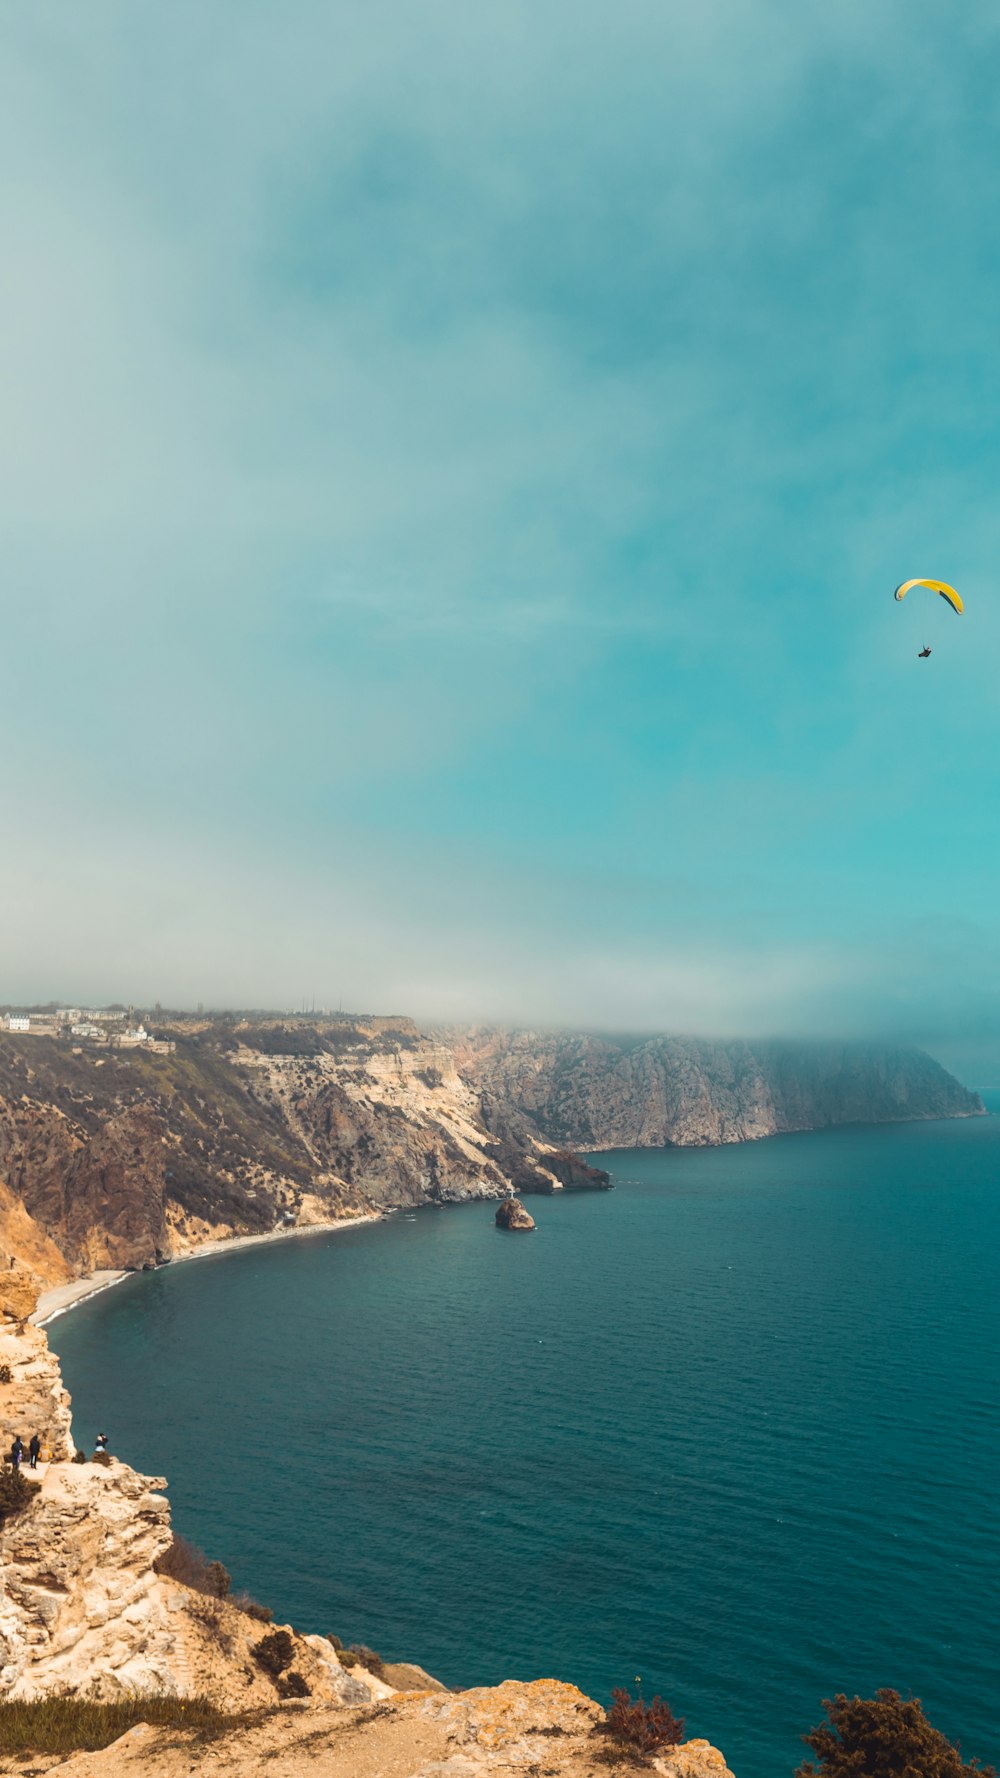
{"x":733,"y":1427}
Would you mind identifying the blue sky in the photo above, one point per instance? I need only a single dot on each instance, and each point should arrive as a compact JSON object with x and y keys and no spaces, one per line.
{"x":455,"y":466}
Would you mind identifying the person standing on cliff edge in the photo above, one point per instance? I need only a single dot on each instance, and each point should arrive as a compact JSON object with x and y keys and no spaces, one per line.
{"x":17,"y":1451}
{"x":33,"y":1450}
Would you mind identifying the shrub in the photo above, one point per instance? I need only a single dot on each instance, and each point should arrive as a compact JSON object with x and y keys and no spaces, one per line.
{"x":15,"y":1493}
{"x":104,"y":1458}
{"x":80,"y":1457}
{"x":292,"y":1685}
{"x":366,"y":1657}
{"x":274,"y":1653}
{"x":250,"y":1607}
{"x":210,"y":1614}
{"x":217,"y":1580}
{"x":6,"y":1374}
{"x":71,"y":1724}
{"x":645,"y":1728}
{"x":185,"y":1562}
{"x":335,"y":1642}
{"x":883,"y":1737}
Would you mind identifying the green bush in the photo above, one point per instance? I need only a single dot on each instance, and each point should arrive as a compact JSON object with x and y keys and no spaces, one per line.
{"x":274,"y":1653}
{"x":883,"y":1737}
{"x":16,"y":1493}
{"x":641,"y":1727}
{"x":71,"y":1724}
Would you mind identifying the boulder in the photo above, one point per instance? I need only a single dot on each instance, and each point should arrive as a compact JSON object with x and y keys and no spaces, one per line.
{"x":511,"y":1214}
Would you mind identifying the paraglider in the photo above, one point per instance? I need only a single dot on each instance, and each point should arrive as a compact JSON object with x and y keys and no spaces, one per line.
{"x":946,"y":592}
{"x":924,"y":655}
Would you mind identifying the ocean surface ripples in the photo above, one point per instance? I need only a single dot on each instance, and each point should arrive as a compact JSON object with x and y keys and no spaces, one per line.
{"x":734,"y":1427}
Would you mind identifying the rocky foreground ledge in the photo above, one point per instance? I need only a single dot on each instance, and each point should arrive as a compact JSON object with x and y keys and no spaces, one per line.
{"x":83,"y":1610}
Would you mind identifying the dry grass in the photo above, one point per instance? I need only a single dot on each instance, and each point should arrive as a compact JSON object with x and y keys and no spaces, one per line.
{"x":73,"y":1724}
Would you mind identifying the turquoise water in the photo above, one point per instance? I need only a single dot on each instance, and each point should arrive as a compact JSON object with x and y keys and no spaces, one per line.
{"x":733,"y":1427}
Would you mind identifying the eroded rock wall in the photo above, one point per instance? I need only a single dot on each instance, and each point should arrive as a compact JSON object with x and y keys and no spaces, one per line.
{"x":601,"y":1092}
{"x":81,"y":1604}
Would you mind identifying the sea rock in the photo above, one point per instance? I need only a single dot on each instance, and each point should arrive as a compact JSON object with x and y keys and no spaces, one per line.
{"x":511,"y":1214}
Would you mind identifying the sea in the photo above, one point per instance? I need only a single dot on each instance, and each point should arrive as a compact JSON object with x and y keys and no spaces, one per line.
{"x":730,"y":1430}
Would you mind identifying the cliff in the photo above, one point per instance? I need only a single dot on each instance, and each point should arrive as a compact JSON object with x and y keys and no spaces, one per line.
{"x":85,"y":1609}
{"x":537,"y":1730}
{"x":649,"y":1092}
{"x":112,"y":1158}
{"x":82,"y":1607}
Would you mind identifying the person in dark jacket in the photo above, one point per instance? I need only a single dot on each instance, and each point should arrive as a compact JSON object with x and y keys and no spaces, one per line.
{"x":100,"y":1443}
{"x":33,"y":1450}
{"x":17,"y":1451}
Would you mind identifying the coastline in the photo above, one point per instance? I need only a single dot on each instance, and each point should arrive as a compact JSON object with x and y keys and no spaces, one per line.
{"x":62,"y":1297}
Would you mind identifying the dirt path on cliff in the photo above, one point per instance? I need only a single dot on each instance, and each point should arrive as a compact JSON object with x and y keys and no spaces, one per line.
{"x":540,"y":1730}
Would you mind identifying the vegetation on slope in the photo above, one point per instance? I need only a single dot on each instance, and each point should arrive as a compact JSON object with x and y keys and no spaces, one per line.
{"x":67,"y":1725}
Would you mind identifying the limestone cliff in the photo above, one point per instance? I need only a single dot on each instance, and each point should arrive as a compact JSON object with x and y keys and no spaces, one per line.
{"x":112,"y":1158}
{"x":82,"y":1606}
{"x":603,"y":1092}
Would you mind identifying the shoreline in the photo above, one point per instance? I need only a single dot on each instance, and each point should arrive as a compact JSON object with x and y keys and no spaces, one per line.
{"x":60,"y":1298}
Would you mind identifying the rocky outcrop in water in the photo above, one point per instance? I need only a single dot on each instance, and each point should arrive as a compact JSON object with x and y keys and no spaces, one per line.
{"x":511,"y":1214}
{"x":649,"y":1092}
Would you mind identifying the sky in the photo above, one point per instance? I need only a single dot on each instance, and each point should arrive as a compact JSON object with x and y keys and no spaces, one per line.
{"x":455,"y":463}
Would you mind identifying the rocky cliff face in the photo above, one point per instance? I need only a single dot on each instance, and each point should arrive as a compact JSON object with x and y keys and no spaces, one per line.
{"x":82,"y":1607}
{"x":113,"y":1158}
{"x":601,"y":1092}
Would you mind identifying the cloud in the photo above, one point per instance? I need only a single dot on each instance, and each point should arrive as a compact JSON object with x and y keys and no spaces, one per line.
{"x":454,"y":458}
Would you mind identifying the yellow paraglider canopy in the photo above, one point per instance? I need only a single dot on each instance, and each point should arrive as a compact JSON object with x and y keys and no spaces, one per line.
{"x":936,"y":586}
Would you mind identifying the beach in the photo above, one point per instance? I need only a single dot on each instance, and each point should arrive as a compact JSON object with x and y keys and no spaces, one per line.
{"x":62,"y":1297}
